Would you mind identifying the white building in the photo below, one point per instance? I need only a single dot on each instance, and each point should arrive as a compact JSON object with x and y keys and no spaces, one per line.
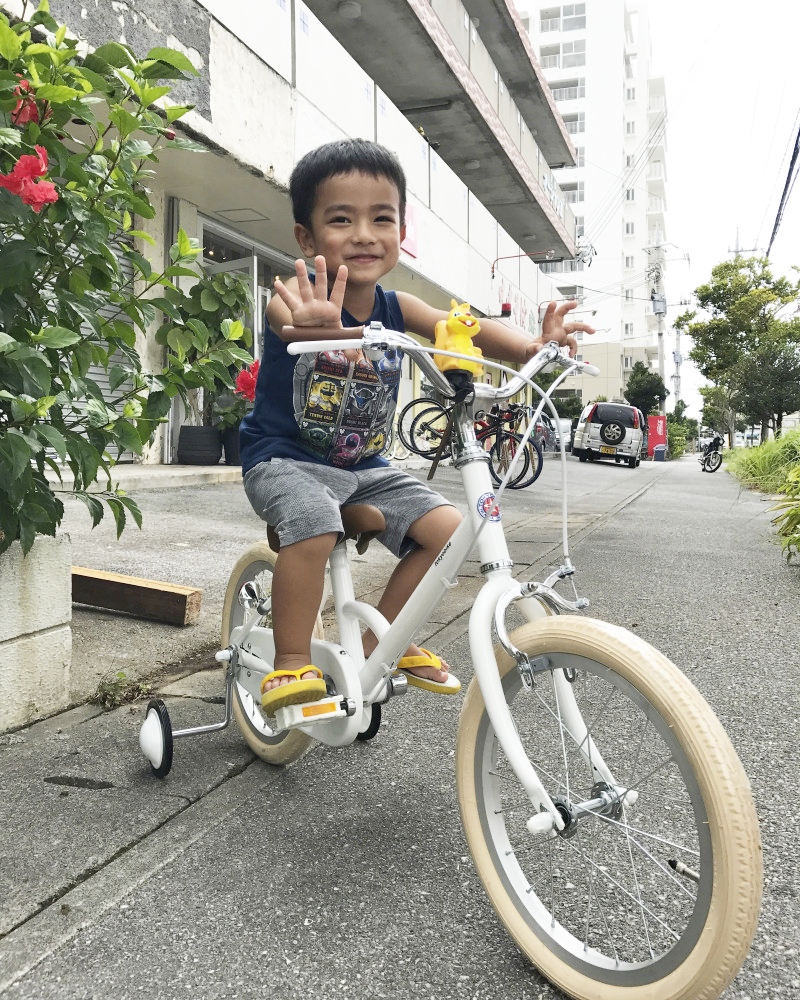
{"x":279,"y":77}
{"x":596,"y":58}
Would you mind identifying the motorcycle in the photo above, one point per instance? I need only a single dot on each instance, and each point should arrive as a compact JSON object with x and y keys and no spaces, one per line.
{"x":711,"y":459}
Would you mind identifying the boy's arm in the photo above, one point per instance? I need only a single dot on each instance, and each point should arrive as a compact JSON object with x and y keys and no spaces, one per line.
{"x":497,"y":340}
{"x":298,"y":302}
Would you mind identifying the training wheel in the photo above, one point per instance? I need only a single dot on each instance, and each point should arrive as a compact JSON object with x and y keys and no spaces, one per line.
{"x":373,"y":727}
{"x":155,"y":737}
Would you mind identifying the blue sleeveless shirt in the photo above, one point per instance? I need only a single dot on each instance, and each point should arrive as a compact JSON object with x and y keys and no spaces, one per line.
{"x":321,"y":407}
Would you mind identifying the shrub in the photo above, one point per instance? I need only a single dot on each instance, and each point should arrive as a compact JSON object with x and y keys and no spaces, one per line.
{"x":767,"y":467}
{"x":78,"y":137}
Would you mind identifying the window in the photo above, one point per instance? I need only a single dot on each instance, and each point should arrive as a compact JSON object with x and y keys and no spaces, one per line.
{"x":629,"y":329}
{"x":575,"y":123}
{"x":578,"y":226}
{"x":304,"y":21}
{"x":627,"y":359}
{"x":629,"y":229}
{"x":572,"y":292}
{"x":580,"y":160}
{"x":573,"y":16}
{"x":629,"y":263}
{"x":630,"y":128}
{"x":630,"y":194}
{"x":630,"y":93}
{"x":561,"y":266}
{"x":573,"y":53}
{"x":630,"y":161}
{"x":572,"y":192}
{"x":629,"y":295}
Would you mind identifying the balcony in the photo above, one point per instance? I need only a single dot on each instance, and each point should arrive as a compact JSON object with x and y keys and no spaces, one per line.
{"x":429,"y":79}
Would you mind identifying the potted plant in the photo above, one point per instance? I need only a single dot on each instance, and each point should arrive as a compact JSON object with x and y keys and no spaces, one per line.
{"x":231,"y":408}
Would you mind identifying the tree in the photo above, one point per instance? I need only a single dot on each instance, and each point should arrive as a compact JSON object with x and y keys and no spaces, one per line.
{"x":645,"y":389}
{"x":718,"y":412}
{"x":745,"y":324}
{"x":767,"y":384}
{"x":78,"y":136}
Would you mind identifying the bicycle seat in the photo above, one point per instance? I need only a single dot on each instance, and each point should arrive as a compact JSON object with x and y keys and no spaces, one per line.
{"x":361,"y":521}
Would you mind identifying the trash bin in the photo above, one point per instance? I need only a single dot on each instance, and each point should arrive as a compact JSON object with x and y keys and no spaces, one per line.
{"x":660,"y":453}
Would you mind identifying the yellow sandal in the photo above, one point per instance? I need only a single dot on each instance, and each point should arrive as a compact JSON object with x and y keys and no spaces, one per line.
{"x":451,"y":686}
{"x":296,"y":692}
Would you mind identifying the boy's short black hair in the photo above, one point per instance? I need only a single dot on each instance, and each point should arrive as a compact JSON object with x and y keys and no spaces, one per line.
{"x":343,"y":156}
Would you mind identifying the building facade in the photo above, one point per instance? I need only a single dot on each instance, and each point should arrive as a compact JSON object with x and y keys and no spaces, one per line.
{"x":596,"y":58}
{"x":453,"y":88}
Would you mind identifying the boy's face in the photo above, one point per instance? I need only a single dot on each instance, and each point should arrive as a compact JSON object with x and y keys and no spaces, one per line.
{"x":356,"y":222}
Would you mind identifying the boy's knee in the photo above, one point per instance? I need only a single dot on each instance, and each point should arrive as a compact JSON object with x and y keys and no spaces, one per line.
{"x":434,"y":528}
{"x":316,"y":547}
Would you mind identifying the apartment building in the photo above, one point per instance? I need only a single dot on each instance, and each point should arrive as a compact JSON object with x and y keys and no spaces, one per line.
{"x":453,"y":88}
{"x":596,"y":58}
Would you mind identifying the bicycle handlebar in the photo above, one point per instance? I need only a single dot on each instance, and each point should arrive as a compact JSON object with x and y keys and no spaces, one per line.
{"x":376,"y":337}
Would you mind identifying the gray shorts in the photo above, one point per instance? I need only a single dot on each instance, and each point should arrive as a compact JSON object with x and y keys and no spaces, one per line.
{"x":303,"y":499}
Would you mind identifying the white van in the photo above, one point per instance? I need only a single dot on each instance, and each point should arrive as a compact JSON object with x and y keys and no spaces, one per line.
{"x":610,"y":430}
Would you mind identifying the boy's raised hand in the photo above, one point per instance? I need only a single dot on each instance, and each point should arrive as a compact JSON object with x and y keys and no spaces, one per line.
{"x":309,"y":303}
{"x":554,"y":327}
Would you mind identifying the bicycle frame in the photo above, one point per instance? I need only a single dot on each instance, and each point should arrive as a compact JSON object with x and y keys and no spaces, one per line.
{"x":362,"y":682}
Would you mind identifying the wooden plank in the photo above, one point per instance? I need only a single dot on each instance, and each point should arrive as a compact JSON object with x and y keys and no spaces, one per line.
{"x":164,"y":602}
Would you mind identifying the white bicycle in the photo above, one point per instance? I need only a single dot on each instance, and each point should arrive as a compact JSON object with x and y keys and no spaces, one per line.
{"x":606,"y":811}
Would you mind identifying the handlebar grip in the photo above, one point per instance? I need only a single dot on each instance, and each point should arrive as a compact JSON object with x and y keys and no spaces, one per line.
{"x":589,"y":369}
{"x":298,"y":333}
{"x":315,"y":346}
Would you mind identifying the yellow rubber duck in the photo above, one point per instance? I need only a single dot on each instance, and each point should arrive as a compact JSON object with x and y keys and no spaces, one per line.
{"x":455,"y":334}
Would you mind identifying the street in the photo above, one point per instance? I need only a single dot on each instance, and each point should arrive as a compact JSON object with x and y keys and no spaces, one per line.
{"x":347,"y":873}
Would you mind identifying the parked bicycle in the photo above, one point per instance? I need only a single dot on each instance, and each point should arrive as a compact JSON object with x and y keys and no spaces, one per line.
{"x":711,"y":459}
{"x":606,"y":811}
{"x":425,"y":423}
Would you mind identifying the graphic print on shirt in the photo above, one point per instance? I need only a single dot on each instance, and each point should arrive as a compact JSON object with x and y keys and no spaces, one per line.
{"x":343,"y":408}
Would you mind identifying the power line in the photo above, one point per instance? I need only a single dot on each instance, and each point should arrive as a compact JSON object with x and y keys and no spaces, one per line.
{"x":787,"y":190}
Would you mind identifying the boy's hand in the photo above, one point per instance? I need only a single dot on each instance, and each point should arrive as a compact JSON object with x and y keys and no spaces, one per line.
{"x":554,"y":328}
{"x":309,"y":304}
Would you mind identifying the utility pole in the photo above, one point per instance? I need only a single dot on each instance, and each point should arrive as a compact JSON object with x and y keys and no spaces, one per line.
{"x":655,"y":272}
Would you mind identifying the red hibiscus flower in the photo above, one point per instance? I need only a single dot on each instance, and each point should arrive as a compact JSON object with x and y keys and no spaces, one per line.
{"x":26,"y":109}
{"x":24,"y":180}
{"x":246,"y":381}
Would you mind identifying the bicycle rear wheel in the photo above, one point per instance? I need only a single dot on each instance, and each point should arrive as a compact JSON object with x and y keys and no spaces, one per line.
{"x":654,"y":899}
{"x":536,"y":460}
{"x":257,"y":565}
{"x":427,"y":431}
{"x":409,"y":413}
{"x":502,"y":454}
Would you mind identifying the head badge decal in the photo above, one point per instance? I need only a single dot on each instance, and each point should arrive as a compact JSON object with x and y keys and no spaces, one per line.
{"x":489,"y":507}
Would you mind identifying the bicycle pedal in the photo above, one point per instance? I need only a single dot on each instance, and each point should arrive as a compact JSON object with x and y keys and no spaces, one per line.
{"x":336,"y":707}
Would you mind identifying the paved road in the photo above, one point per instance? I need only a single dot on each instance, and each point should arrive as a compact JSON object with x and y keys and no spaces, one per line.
{"x":347,"y":875}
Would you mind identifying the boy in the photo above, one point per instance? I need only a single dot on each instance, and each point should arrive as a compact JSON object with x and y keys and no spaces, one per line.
{"x":311,"y":442}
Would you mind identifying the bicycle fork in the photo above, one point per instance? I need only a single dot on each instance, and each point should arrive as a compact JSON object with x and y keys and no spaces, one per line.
{"x":494,"y":597}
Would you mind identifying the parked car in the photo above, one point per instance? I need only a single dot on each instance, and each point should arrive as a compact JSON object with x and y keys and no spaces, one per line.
{"x":563,"y":429}
{"x":545,"y":434}
{"x":610,"y":430}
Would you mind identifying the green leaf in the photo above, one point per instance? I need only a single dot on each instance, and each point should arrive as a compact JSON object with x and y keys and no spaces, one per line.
{"x":208,"y":300}
{"x":15,"y":455}
{"x":10,"y":44}
{"x":10,"y":137}
{"x":173,"y":58}
{"x":142,"y":265}
{"x":149,"y":95}
{"x":96,"y":508}
{"x":57,"y":336}
{"x":57,"y":94}
{"x":52,"y":438}
{"x":126,"y":435}
{"x":115,"y":55}
{"x":180,"y":142}
{"x":131,"y":506}
{"x":124,"y":332}
{"x":124,"y":121}
{"x":118,"y":510}
{"x":18,"y":263}
{"x":118,"y":375}
{"x":176,"y":111}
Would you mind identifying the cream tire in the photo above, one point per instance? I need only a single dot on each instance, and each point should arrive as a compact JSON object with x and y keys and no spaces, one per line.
{"x":602,"y":914}
{"x":257,"y":564}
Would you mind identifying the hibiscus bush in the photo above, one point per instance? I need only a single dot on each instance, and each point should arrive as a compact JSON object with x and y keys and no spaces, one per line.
{"x":230,"y":408}
{"x":79,"y":136}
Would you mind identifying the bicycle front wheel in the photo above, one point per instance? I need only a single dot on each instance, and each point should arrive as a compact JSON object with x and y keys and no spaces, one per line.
{"x":502,"y":454}
{"x":257,"y":565}
{"x":714,"y":461}
{"x":653,"y":898}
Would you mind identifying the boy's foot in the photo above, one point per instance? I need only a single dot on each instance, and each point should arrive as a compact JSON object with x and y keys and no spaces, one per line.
{"x":291,"y":687}
{"x":427,"y":671}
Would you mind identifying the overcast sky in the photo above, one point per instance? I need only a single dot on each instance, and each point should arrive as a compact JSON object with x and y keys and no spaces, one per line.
{"x":732,"y":77}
